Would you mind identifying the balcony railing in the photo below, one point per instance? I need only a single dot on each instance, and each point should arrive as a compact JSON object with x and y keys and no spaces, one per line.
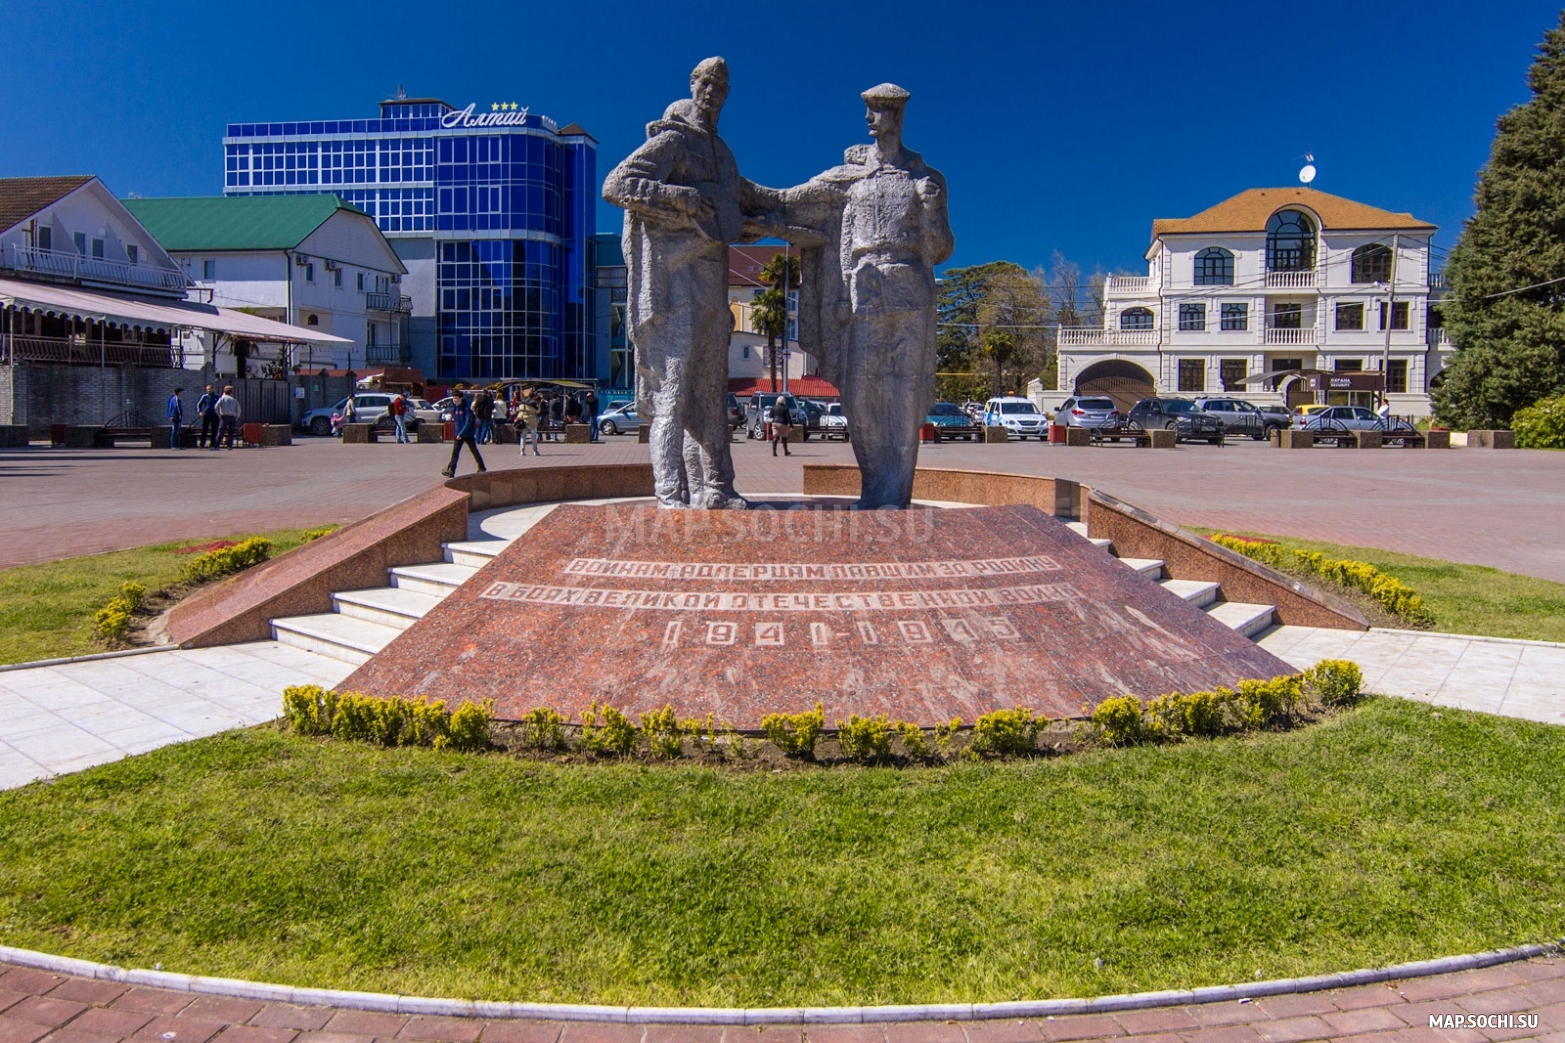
{"x":1437,"y":281}
{"x":16,"y":348}
{"x":1096,"y":336}
{"x":387,"y":302}
{"x":1128,"y":284}
{"x":387,"y":355}
{"x":1440,"y":340}
{"x":1290,"y":280}
{"x":1274,"y":335}
{"x":69,"y":264}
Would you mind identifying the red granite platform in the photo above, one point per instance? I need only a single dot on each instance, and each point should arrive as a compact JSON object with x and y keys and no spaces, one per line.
{"x":924,"y":614}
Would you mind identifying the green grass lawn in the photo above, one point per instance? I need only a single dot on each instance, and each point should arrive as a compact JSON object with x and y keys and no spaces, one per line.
{"x":46,"y":610}
{"x":1389,"y":833}
{"x":1464,"y":599}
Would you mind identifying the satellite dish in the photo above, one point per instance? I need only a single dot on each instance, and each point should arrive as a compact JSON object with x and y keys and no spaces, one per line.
{"x":1308,"y":173}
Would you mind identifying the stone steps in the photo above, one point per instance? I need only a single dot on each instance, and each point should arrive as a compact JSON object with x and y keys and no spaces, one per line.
{"x":1249,"y":620}
{"x":362,"y":622}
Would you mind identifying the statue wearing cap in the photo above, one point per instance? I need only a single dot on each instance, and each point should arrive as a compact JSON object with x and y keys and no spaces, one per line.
{"x":872,"y":231}
{"x":684,"y":203}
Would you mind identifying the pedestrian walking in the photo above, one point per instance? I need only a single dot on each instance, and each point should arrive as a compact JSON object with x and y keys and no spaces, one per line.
{"x":176,"y":418}
{"x":782,"y":424}
{"x":527,"y":420}
{"x":556,"y":416}
{"x":206,"y":409}
{"x":227,"y":416}
{"x":483,"y":412}
{"x":466,"y":431}
{"x":399,"y":417}
{"x":592,"y":412}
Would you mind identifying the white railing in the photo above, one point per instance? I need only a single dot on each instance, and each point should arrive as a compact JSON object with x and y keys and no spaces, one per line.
{"x":1273,"y":335}
{"x":72,"y":265}
{"x":1290,"y":280}
{"x":1437,"y":281}
{"x":1096,"y":336}
{"x":1128,"y":284}
{"x":1440,"y":340}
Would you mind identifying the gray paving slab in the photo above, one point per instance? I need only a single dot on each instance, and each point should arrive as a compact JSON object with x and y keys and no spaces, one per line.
{"x":57,"y":719}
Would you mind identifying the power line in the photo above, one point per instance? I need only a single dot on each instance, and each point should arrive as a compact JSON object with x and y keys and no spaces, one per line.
{"x":1521,"y":289}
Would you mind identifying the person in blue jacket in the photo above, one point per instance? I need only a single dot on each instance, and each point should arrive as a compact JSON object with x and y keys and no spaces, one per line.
{"x":176,"y":418}
{"x":466,"y":434}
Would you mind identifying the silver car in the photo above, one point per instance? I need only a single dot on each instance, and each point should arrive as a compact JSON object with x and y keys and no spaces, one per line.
{"x":1091,"y":411}
{"x":1340,"y":418}
{"x":619,"y":420}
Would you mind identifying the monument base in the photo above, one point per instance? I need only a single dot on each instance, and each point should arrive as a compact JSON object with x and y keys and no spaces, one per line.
{"x":924,"y":614}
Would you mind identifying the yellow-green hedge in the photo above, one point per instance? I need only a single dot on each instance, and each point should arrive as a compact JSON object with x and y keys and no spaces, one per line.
{"x":1395,"y":596}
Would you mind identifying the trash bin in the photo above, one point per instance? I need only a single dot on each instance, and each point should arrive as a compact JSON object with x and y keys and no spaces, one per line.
{"x":926,"y":433}
{"x":1056,"y":434}
{"x":450,"y":430}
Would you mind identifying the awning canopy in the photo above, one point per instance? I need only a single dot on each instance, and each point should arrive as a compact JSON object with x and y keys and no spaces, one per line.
{"x":154,"y":314}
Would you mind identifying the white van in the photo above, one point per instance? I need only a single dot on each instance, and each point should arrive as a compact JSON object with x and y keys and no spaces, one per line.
{"x":1018,"y":416}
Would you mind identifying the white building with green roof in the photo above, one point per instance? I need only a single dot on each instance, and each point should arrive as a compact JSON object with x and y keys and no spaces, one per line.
{"x":308,"y":260}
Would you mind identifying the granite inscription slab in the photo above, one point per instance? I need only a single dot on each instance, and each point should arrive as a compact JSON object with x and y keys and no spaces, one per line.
{"x":924,"y":614}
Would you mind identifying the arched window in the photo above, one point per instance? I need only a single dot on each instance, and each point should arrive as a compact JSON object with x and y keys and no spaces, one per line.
{"x":1290,"y":242}
{"x":1372,"y":263}
{"x":1214,"y":266}
{"x":313,"y":320}
{"x":1135,"y":319}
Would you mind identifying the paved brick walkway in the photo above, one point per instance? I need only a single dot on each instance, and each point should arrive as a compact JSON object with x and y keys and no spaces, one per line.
{"x":38,"y":1007}
{"x":1491,"y":508}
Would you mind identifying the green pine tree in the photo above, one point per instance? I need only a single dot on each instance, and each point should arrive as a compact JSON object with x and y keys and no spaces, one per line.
{"x":1512,"y":348}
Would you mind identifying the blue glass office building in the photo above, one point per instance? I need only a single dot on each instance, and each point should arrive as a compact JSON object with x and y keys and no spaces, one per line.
{"x":491,"y":208}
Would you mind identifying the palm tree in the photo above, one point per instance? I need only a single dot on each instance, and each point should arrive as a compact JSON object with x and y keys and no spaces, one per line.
{"x":769,"y":315}
{"x":781,"y":273}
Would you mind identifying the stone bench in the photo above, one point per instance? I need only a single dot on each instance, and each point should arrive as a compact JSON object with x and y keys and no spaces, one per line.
{"x":358,"y":434}
{"x":997,"y":434}
{"x":431,"y":433}
{"x":1491,"y":440}
{"x":577,"y":434}
{"x":13,"y":436}
{"x":276,"y":434}
{"x":1288,"y":438}
{"x":1437,"y":440}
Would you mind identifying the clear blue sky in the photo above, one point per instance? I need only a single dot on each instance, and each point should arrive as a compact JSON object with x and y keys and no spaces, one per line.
{"x":1058,"y":126}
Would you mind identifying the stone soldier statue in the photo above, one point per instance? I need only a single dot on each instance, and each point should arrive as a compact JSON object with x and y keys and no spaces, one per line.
{"x":684,"y":203}
{"x":872,"y":230}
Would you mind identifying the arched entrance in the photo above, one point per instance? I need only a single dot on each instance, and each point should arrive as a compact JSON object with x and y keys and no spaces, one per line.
{"x":1125,"y":382}
{"x":1296,"y":391}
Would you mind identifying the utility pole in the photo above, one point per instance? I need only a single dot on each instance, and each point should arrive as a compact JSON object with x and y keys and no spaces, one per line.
{"x":1389,"y":320}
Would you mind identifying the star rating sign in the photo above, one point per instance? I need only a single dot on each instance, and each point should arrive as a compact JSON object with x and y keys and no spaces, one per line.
{"x":513,"y":106}
{"x":495,"y":106}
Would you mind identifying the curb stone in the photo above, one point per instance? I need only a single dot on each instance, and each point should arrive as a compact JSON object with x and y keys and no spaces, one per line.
{"x":388,"y":1003}
{"x":94,"y":657}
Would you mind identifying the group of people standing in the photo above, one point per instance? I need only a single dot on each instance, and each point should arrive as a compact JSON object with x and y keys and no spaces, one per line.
{"x":534,"y":415}
{"x":219,"y":415}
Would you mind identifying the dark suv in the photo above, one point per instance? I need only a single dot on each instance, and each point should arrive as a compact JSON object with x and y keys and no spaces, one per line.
{"x":1179,"y":415}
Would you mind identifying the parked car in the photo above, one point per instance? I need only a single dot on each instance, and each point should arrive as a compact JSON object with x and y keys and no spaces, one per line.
{"x":834,"y":422}
{"x":621,"y":420}
{"x":1018,"y":416}
{"x":1088,"y":411}
{"x":1280,"y":413}
{"x":735,"y":412}
{"x":1306,"y":411}
{"x":1339,"y":418}
{"x":426,"y":413}
{"x":1179,"y":415}
{"x":952,"y":422}
{"x":758,"y":413}
{"x":369,"y":407}
{"x":1239,"y":417}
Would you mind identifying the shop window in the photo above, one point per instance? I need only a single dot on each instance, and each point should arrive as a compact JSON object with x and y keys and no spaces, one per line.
{"x":1288,"y":317}
{"x":1350,"y":316}
{"x":1192,"y":375}
{"x":1214,"y":266}
{"x":1396,"y":377}
{"x":1232,"y":372}
{"x":1236,"y":317}
{"x":1135,"y":319}
{"x":1398,"y":315}
{"x":1192,"y":317}
{"x":1372,"y":263}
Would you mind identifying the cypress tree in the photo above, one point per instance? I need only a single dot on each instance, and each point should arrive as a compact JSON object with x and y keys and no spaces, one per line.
{"x":1511,"y":348}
